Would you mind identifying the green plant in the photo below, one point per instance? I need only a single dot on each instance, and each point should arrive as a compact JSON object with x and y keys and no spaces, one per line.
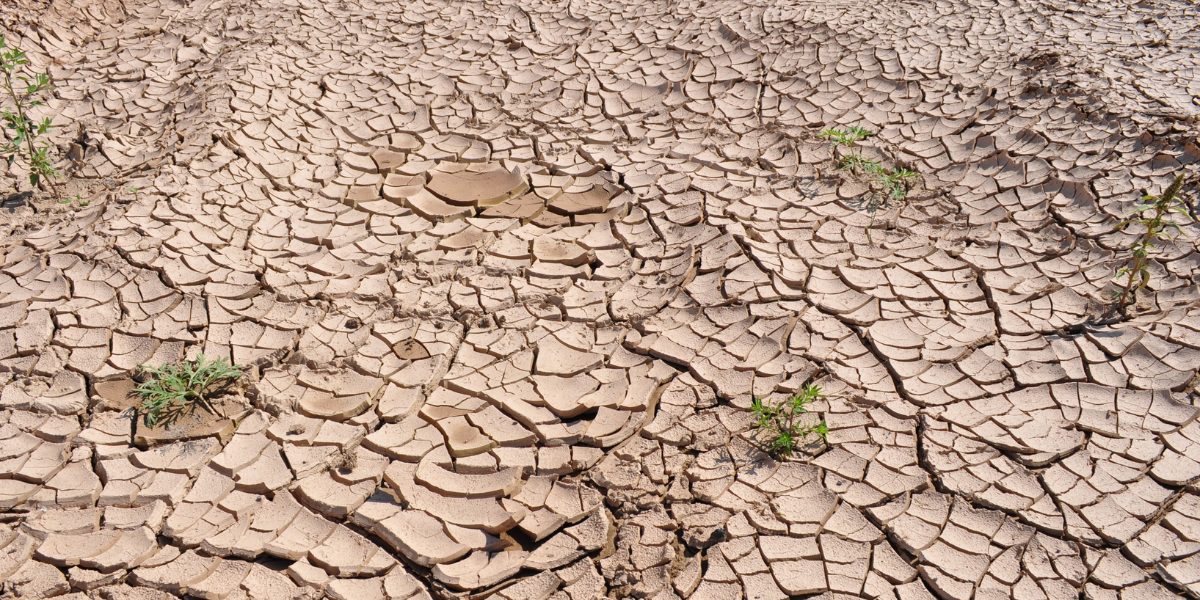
{"x":1158,"y":207}
{"x":895,"y":184}
{"x":845,"y":137}
{"x":169,"y":390}
{"x":77,"y":201}
{"x":24,"y":93}
{"x":782,"y":423}
{"x":848,"y":138}
{"x":856,"y":163}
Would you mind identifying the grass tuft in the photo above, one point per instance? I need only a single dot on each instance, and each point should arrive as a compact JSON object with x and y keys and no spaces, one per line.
{"x":347,"y":461}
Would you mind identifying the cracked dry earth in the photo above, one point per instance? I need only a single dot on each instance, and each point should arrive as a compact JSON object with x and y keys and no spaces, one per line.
{"x":506,"y":277}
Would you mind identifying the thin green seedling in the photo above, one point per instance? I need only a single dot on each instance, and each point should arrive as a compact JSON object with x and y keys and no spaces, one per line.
{"x":25,"y":92}
{"x":783,"y":425}
{"x":847,"y":138}
{"x":77,"y":201}
{"x":169,"y":391}
{"x":134,"y":190}
{"x":856,"y":163}
{"x":1156,"y":224}
{"x":895,"y":184}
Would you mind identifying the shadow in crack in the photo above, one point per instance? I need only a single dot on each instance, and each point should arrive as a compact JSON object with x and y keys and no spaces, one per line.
{"x":14,"y":201}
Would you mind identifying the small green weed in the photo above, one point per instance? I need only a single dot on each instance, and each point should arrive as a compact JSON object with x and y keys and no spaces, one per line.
{"x":856,"y":163}
{"x":170,"y":390}
{"x":77,"y":202}
{"x":24,"y":92}
{"x":848,"y":138}
{"x":781,"y":423}
{"x":896,"y":182}
{"x":1156,"y":224}
{"x":894,"y":186}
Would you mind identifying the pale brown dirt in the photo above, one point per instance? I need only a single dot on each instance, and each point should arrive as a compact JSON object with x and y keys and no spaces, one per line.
{"x":506,"y":277}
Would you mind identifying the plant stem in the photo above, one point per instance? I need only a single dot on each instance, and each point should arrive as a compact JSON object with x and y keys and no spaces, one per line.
{"x":1153,"y":228}
{"x":19,"y":102}
{"x":24,"y":123}
{"x":1123,"y":301}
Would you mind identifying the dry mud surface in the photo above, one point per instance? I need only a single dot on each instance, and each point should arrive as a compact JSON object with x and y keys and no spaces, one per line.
{"x":508,"y":275}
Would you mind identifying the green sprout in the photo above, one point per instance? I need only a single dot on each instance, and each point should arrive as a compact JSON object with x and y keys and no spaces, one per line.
{"x":895,"y":184}
{"x":783,"y":424}
{"x":24,"y":92}
{"x":1156,"y":224}
{"x":77,"y":201}
{"x":170,"y":390}
{"x":856,"y":163}
{"x":848,"y":138}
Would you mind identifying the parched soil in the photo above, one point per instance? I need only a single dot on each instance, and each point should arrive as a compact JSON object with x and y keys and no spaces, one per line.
{"x":506,"y":277}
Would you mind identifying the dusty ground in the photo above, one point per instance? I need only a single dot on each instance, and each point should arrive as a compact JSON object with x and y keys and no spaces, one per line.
{"x":506,"y":277}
